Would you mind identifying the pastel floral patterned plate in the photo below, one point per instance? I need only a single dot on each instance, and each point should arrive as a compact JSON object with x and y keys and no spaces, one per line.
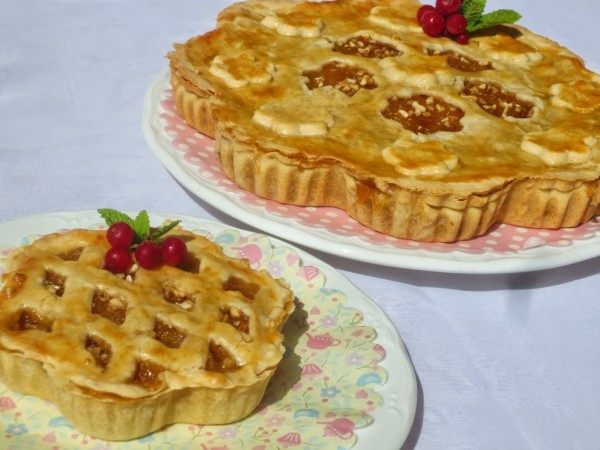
{"x":346,"y":381}
{"x":190,"y":158}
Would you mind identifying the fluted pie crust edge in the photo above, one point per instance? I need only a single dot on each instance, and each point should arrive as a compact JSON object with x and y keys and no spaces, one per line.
{"x":115,"y":419}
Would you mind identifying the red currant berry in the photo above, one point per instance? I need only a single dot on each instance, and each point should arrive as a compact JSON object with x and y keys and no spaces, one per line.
{"x":173,"y":251}
{"x":463,"y":38}
{"x":422,"y":10}
{"x":456,"y":24}
{"x":433,"y":23}
{"x":120,"y":234}
{"x":447,"y":7}
{"x":117,"y":260}
{"x":148,"y":255}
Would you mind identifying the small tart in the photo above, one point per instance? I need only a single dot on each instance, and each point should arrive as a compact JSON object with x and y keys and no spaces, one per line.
{"x":122,"y":356}
{"x":348,"y":103}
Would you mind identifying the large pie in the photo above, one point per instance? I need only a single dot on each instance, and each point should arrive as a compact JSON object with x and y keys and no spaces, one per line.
{"x":348,"y":103}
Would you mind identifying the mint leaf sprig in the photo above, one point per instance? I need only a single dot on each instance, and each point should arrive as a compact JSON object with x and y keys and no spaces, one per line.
{"x":457,"y":19}
{"x":140,"y":224}
{"x":473,"y":10}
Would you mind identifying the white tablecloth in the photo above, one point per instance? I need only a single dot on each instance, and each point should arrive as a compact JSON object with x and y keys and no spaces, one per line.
{"x":503,"y":361}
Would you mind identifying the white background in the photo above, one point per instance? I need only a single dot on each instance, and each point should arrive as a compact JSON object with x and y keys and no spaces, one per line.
{"x":503,"y":361}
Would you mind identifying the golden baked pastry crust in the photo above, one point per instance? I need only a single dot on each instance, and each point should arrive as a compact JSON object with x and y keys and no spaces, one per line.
{"x":335,"y":103}
{"x":124,"y":356}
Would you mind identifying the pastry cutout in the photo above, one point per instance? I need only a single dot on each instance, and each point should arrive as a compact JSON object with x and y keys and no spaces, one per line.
{"x":508,"y":48}
{"x":580,"y":96}
{"x":560,"y":146}
{"x":394,"y":18}
{"x":416,"y":72}
{"x":241,"y":70}
{"x":420,"y":158}
{"x":298,"y":117}
{"x":293,"y":24}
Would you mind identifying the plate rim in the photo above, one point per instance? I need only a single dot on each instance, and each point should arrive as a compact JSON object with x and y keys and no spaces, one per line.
{"x":533,"y":259}
{"x":397,"y":361}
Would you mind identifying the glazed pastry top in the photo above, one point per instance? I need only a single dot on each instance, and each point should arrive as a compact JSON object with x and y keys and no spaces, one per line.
{"x":358,"y":83}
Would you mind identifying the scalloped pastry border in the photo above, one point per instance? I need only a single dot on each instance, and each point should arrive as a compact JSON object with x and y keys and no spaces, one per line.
{"x":118,"y":419}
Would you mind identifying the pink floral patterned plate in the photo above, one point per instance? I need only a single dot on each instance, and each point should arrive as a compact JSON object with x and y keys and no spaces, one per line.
{"x":190,"y":158}
{"x":346,"y":381}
